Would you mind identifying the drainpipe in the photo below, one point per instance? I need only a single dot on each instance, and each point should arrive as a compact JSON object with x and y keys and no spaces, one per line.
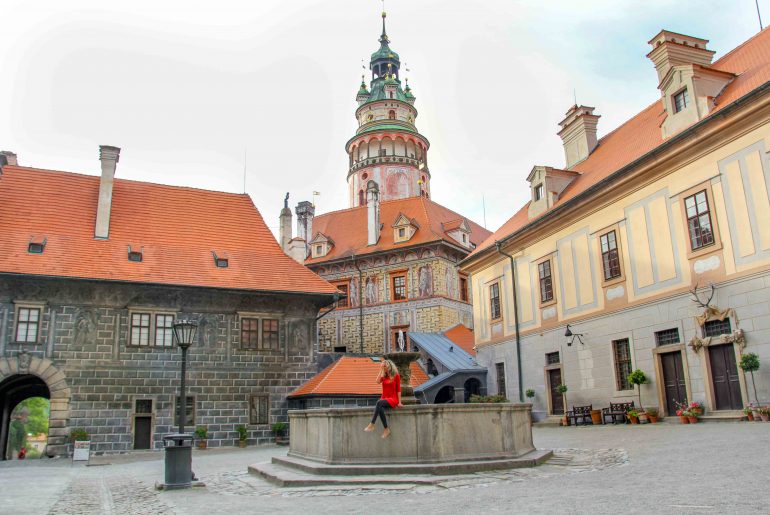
{"x":499,"y":247}
{"x":360,"y":305}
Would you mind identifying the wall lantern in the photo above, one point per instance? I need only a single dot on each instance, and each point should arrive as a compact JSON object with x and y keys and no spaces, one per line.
{"x":569,"y":334}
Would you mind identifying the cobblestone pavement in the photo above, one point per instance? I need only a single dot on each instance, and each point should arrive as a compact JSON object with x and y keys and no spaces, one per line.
{"x":708,"y":468}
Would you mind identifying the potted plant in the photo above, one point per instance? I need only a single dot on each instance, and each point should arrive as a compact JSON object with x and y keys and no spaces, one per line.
{"x":530,"y":394}
{"x":750,"y":363}
{"x":562,"y":389}
{"x":652,"y":414}
{"x":203,"y":434}
{"x":749,"y":413}
{"x":692,"y":416}
{"x":764,"y":412}
{"x":243,"y":433}
{"x":681,"y":412}
{"x":638,"y":378}
{"x":696,"y":408}
{"x":79,"y":434}
{"x":633,"y":416}
{"x":279,"y":430}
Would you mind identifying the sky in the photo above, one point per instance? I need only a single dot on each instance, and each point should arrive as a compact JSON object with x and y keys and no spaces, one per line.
{"x":202,"y":94}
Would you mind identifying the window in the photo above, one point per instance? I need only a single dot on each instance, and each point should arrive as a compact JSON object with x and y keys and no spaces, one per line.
{"x":36,"y":248}
{"x":399,"y":287}
{"x":189,"y":411}
{"x":344,"y":301}
{"x":361,"y":198}
{"x":546,"y":283}
{"x":259,"y":409}
{"x":27,"y":325}
{"x":500,"y":370}
{"x":538,"y":192}
{"x":699,"y":220}
{"x":319,"y":250}
{"x":270,"y":334}
{"x":622,"y":351}
{"x":222,"y":262}
{"x":164,"y":332}
{"x":463,"y":289}
{"x":150,"y":328}
{"x":391,"y":114}
{"x":667,"y":337}
{"x":717,"y":327}
{"x":143,"y":407}
{"x":401,"y":232}
{"x":342,"y":348}
{"x":552,"y":358}
{"x":135,"y":256}
{"x":610,"y":258}
{"x":681,"y":100}
{"x":140,"y":329}
{"x":494,"y":301}
{"x":249,"y":333}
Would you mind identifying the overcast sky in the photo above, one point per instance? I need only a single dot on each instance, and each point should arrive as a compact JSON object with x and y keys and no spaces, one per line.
{"x":187,"y":88}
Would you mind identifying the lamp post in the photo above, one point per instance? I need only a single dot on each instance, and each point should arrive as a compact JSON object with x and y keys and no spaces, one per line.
{"x":179,"y":446}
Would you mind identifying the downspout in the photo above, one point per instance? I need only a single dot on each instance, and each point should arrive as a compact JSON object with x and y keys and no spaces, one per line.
{"x":360,"y":305}
{"x":499,"y":247}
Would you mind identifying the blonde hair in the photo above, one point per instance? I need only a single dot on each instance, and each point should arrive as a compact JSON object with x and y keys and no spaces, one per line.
{"x":390,"y":368}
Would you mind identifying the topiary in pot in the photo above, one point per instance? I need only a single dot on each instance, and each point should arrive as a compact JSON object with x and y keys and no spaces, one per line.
{"x":638,"y":378}
{"x":243,"y":434}
{"x":530,"y":393}
{"x":750,"y":363}
{"x":203,"y":434}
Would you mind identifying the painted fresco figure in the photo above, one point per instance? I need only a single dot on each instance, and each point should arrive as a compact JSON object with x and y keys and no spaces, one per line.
{"x":371,"y":290}
{"x":425,"y":281}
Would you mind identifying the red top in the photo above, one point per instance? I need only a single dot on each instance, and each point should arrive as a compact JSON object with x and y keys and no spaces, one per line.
{"x":390,"y":389}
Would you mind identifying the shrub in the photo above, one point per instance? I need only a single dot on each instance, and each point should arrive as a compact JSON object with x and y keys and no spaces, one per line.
{"x":562,"y":389}
{"x":201,"y":432}
{"x":530,"y":393}
{"x":243,"y":432}
{"x":653,"y":412}
{"x":79,"y":434}
{"x":487,"y":399}
{"x":279,"y":428}
{"x":749,"y":362}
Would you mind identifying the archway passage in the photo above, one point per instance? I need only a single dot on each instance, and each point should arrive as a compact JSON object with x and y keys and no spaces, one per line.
{"x":472,"y":387}
{"x":13,"y":390}
{"x":445,"y":395}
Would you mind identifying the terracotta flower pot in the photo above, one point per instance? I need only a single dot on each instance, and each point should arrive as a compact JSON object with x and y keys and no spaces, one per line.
{"x":692,"y":420}
{"x":757,"y":416}
{"x":684,"y":419}
{"x":765,"y":417}
{"x":596,"y":417}
{"x":634,"y":420}
{"x":242,"y":444}
{"x":750,"y":416}
{"x":202,"y":444}
{"x":653,"y":419}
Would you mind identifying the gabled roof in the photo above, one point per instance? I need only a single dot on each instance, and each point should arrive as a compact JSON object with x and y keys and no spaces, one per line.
{"x":463,"y":337}
{"x":352,"y":376}
{"x":642,"y":134}
{"x":176,"y":228}
{"x":349,"y":227}
{"x":454,"y":225}
{"x":402,"y":220}
{"x":445,"y":351}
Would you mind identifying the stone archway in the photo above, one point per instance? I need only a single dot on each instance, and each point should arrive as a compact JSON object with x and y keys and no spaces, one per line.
{"x":30,"y":376}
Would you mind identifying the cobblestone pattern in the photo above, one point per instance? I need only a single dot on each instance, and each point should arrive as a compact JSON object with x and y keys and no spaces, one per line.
{"x":110,"y":495}
{"x":564,"y":461}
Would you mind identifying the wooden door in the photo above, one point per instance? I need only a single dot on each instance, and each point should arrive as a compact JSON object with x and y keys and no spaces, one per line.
{"x":557,"y":399}
{"x":142,"y":432}
{"x":724,"y":377}
{"x":673,"y":381}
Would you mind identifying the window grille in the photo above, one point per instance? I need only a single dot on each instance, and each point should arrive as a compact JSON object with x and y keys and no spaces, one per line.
{"x":500,"y":369}
{"x":552,"y":358}
{"x":717,"y":327}
{"x":667,"y":337}
{"x":494,"y":301}
{"x":622,"y":351}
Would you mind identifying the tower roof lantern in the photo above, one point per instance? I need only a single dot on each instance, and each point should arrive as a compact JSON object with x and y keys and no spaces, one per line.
{"x":384,"y":51}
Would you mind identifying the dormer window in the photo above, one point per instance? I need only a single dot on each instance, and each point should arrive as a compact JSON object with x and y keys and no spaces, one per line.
{"x":134,"y":255}
{"x":404,"y":228}
{"x":319,"y":249}
{"x":681,"y":100}
{"x":402,"y":232}
{"x":221,"y":262}
{"x":320,"y":246}
{"x":36,"y":247}
{"x":538,"y":192}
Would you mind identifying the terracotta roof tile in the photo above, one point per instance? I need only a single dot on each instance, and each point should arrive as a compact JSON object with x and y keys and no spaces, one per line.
{"x":462,"y":337}
{"x":176,"y":229}
{"x":348,"y":227}
{"x":351,"y":376}
{"x":641,"y":134}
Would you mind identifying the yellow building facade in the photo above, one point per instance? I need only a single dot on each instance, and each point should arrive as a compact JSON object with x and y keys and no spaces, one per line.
{"x":650,"y":249}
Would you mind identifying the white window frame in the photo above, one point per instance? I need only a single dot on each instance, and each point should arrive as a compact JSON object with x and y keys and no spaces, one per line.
{"x":152,"y":328}
{"x":18,"y":306}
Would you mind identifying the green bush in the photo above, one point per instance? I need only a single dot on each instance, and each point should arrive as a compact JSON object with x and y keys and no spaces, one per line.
{"x":279,"y":428}
{"x":562,"y":389}
{"x":243,"y":432}
{"x":530,"y":393}
{"x":79,"y":434}
{"x":749,"y":362}
{"x":201,"y":432}
{"x":487,"y":399}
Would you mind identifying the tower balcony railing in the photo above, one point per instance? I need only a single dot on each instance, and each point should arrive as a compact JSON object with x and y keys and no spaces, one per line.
{"x":363,"y":163}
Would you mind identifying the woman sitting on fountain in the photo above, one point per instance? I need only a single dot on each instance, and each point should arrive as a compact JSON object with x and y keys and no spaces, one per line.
{"x":391,"y":394}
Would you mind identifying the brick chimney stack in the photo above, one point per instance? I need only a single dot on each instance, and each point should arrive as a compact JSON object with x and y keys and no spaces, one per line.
{"x":578,"y":134}
{"x":109,"y":158}
{"x":670,"y":49}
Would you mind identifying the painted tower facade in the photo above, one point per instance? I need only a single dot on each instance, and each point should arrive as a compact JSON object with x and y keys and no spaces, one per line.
{"x":387,"y":147}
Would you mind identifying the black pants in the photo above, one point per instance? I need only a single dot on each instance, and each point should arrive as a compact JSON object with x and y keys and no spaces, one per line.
{"x":379,"y":410}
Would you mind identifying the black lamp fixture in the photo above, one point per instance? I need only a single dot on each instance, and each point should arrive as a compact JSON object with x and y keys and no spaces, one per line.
{"x":569,"y":334}
{"x":184,"y":332}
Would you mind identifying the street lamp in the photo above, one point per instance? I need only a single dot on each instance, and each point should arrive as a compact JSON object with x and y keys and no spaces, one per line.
{"x":179,"y":446}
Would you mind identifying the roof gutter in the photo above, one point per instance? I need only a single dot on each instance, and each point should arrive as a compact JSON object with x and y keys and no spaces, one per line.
{"x":627,"y":169}
{"x":499,"y":248}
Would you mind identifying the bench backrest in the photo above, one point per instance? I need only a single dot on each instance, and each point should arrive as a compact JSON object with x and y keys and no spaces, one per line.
{"x":621,"y":406}
{"x":582,"y":410}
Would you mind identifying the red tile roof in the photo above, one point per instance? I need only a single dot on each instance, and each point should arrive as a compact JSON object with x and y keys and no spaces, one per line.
{"x":352,"y":376}
{"x":641,"y":134}
{"x":462,"y":337}
{"x":176,"y":228}
{"x":348,"y":227}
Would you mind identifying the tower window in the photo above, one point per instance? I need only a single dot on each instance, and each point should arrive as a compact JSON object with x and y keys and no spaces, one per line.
{"x":361,"y":198}
{"x":391,"y":114}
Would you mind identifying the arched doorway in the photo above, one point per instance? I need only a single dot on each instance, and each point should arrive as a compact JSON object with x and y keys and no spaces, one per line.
{"x":23,"y":377}
{"x":14,"y":390}
{"x":445,"y":395}
{"x":472,"y":387}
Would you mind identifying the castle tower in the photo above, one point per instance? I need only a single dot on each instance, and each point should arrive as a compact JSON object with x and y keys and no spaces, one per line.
{"x":387,"y":148}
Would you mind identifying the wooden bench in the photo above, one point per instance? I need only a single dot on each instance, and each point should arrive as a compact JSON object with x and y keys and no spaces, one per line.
{"x":617,"y":411}
{"x":580,"y":412}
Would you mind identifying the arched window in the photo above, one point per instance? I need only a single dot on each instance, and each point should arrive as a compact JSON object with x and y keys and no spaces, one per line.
{"x":361,"y":198}
{"x":391,"y":115}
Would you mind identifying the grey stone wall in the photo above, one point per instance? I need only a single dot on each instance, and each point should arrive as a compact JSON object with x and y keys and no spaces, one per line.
{"x":85,"y":333}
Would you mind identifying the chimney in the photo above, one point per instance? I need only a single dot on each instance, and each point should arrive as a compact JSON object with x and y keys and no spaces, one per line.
{"x":285,"y":225}
{"x":578,"y":134}
{"x":670,"y":49}
{"x":373,"y":212}
{"x":7,"y":158}
{"x":305,"y":213}
{"x":109,"y":158}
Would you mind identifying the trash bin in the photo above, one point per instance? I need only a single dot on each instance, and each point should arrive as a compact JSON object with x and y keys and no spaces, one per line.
{"x":178,"y":460}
